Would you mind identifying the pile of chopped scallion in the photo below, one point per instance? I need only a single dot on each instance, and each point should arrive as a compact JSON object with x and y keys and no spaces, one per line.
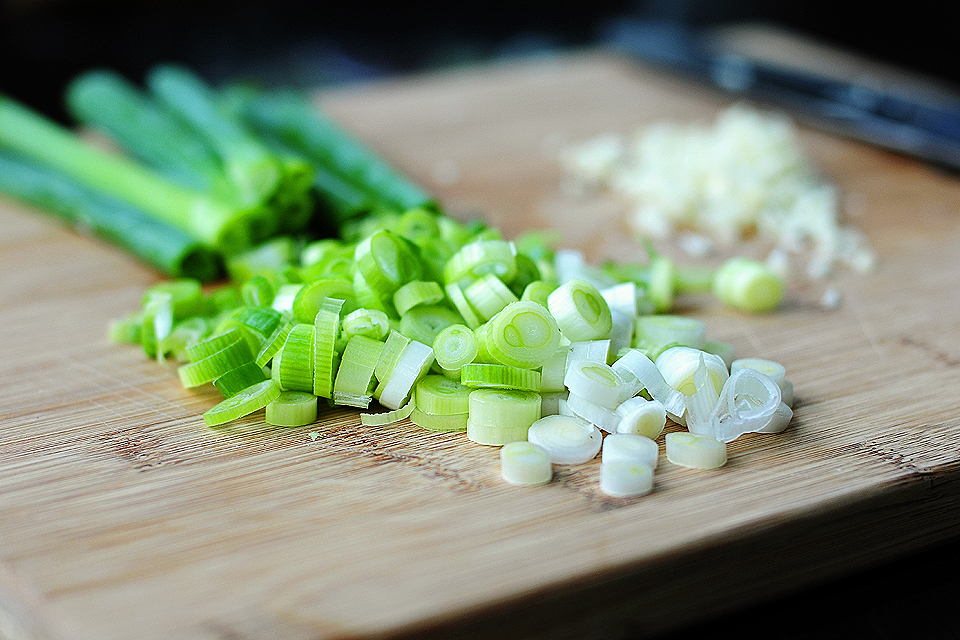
{"x":337,"y":282}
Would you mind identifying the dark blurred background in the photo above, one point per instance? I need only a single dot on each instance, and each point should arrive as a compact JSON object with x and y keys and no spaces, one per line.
{"x":44,"y":43}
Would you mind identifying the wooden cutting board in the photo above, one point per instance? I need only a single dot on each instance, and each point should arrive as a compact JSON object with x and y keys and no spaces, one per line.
{"x":122,"y":516}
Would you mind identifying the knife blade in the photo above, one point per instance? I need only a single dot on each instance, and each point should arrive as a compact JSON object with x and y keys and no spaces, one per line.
{"x":908,"y":122}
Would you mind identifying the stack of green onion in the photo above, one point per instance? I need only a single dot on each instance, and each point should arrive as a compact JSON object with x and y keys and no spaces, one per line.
{"x":393,"y":308}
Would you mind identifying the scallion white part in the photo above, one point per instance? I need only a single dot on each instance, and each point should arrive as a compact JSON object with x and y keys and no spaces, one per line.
{"x":656,"y":333}
{"x":747,"y":403}
{"x":632,"y":448}
{"x":596,"y":381}
{"x":696,"y":452}
{"x":623,"y":297}
{"x":566,"y":439}
{"x":413,"y":364}
{"x":553,"y":371}
{"x":599,"y":415}
{"x":778,"y":421}
{"x":386,"y":417}
{"x":580,"y":311}
{"x":592,"y":350}
{"x":525,"y":464}
{"x":646,"y":375}
{"x":641,"y":417}
{"x":499,"y":416}
{"x":774,"y":370}
{"x":625,"y":479}
{"x":550,"y":402}
{"x":621,"y":331}
{"x":702,"y":402}
{"x":678,"y":365}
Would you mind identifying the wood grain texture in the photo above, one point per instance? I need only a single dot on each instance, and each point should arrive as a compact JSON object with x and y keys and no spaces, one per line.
{"x":122,"y":516}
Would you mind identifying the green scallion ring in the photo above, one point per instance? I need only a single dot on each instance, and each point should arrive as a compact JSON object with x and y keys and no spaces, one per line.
{"x":243,"y":403}
{"x":523,"y":334}
{"x":418,"y":292}
{"x":443,"y":422}
{"x":438,"y":394}
{"x":499,"y":376}
{"x":231,"y":382}
{"x":292,"y":409}
{"x":580,"y":311}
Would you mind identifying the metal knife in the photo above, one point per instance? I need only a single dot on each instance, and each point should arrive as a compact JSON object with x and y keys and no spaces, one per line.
{"x":907,"y":122}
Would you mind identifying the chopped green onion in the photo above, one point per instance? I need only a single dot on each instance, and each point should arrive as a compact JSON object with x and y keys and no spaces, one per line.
{"x":488,"y":295}
{"x":632,"y":448}
{"x":296,"y":368}
{"x":639,"y":372}
{"x":355,"y":380}
{"x":386,"y":417}
{"x":696,"y":452}
{"x":679,"y":364}
{"x":386,"y":262}
{"x":654,"y":334}
{"x":595,"y":380}
{"x":394,"y":346}
{"x":243,"y":403}
{"x":594,"y":413}
{"x":480,"y":258}
{"x":211,"y":367}
{"x":326,"y":352}
{"x":455,"y":295}
{"x":553,"y":371}
{"x":439,"y":421}
{"x":292,"y":409}
{"x":274,"y":343}
{"x":231,"y":382}
{"x":371,"y":323}
{"x":455,"y":346}
{"x":566,"y":439}
{"x":525,"y":464}
{"x":580,"y":311}
{"x":437,"y":394}
{"x":425,"y":322}
{"x":538,"y":291}
{"x":418,"y":292}
{"x":499,"y":416}
{"x":748,"y":285}
{"x":413,"y":364}
{"x":523,"y":334}
{"x":625,"y":479}
{"x":642,"y":417}
{"x":309,"y":297}
{"x":499,"y":376}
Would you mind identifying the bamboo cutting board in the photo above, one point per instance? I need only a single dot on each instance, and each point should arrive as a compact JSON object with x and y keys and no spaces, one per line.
{"x":122,"y":516}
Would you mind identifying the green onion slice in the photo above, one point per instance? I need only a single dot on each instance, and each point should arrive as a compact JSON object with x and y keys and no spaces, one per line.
{"x":326,"y":336}
{"x":439,"y":421}
{"x":499,"y":416}
{"x":414,"y":363}
{"x":525,"y":464}
{"x":296,"y":368}
{"x":437,"y":394}
{"x":580,"y":311}
{"x":355,"y":380}
{"x":243,"y":403}
{"x":499,"y":376}
{"x":523,"y":334}
{"x":387,"y":417}
{"x":292,"y":409}
{"x":425,"y":322}
{"x":482,"y":257}
{"x":418,"y":292}
{"x":455,"y":346}
{"x":236,"y":380}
